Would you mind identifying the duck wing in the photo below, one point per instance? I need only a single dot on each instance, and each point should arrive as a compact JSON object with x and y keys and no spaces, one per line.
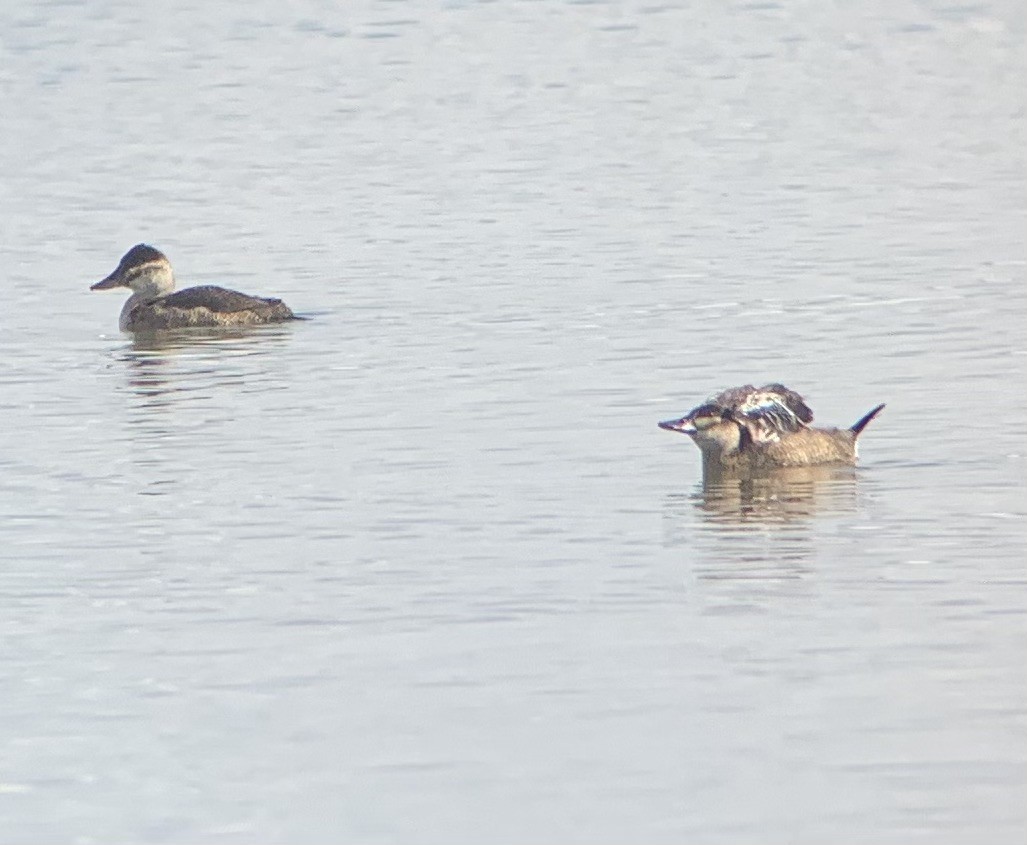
{"x":770,"y":411}
{"x":216,"y":299}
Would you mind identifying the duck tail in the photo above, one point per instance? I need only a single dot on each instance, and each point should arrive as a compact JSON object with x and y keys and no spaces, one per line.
{"x":865,"y":420}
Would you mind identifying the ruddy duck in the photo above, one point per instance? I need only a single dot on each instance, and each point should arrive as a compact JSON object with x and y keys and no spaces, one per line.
{"x":155,"y":305}
{"x":752,"y":429}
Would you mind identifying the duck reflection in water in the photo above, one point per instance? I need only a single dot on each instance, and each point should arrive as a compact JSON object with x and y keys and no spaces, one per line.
{"x":160,"y":365}
{"x":782,"y":496}
{"x":765,"y":532}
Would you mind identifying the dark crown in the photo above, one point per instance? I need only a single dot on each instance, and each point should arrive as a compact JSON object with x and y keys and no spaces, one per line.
{"x":141,"y":254}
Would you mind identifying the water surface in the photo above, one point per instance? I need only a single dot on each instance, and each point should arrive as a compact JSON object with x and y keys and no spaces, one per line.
{"x":422,"y":568}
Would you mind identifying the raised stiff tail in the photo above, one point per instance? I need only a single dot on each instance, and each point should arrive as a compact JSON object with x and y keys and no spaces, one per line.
{"x":865,"y":420}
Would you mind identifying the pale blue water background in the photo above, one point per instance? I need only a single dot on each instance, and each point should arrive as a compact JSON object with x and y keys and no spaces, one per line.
{"x":422,"y":569}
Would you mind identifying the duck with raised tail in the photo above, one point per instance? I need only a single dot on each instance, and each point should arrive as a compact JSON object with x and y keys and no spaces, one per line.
{"x":155,"y":304}
{"x":750,"y":429}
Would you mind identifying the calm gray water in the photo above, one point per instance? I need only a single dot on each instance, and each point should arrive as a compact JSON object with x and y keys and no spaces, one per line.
{"x":422,"y":569}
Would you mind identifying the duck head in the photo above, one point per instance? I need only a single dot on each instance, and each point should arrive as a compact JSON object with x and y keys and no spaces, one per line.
{"x":713,"y":429}
{"x":145,"y":270}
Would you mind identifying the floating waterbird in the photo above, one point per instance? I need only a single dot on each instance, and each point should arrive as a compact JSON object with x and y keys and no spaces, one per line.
{"x":155,"y":304}
{"x":750,"y":429}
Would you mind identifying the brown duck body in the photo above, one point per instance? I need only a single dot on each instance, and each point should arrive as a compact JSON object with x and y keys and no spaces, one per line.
{"x":801,"y":448}
{"x":749,"y":430}
{"x":206,"y":305}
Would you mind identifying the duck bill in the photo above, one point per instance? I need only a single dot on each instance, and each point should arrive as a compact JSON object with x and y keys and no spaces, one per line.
{"x":112,"y":281}
{"x":682,"y":426}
